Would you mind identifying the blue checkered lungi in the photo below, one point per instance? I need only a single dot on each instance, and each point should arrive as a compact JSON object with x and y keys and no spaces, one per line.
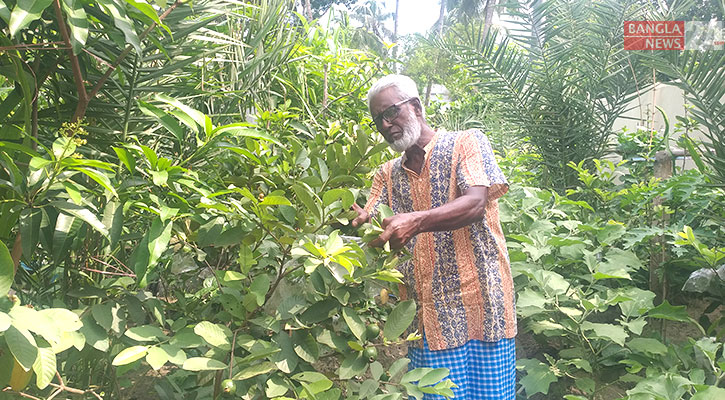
{"x":481,"y":370}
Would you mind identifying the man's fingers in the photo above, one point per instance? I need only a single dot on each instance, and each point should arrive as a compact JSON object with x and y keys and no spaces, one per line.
{"x":382,"y":239}
{"x":362,"y":215}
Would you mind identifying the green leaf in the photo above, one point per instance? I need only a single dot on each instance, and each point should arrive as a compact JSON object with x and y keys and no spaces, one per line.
{"x":156,"y":357}
{"x":4,"y":12}
{"x":148,"y":11}
{"x":82,"y":213}
{"x":433,"y":377}
{"x":66,"y":320}
{"x":122,"y":22}
{"x":615,"y":333}
{"x":309,"y":199}
{"x":354,"y":322}
{"x":275,"y":201}
{"x":7,"y":272}
{"x":647,"y":345}
{"x":29,"y":222}
{"x":25,"y":12}
{"x":214,"y":334}
{"x":202,"y":364}
{"x":5,"y":320}
{"x":255,"y":370}
{"x":338,"y":194}
{"x":669,"y":312}
{"x":44,"y":366}
{"x":145,"y":333}
{"x":353,"y":365}
{"x":538,"y":376}
{"x":61,"y":239}
{"x":399,"y":319}
{"x":240,"y":129}
{"x":259,"y":288}
{"x":113,"y":220}
{"x":22,"y":345}
{"x":306,"y":346}
{"x":174,"y":354}
{"x":126,"y":158}
{"x":710,"y":393}
{"x":99,"y":177}
{"x":78,"y":23}
{"x":129,"y":355}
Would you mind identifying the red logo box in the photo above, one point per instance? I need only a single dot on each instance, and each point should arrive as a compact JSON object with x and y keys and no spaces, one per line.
{"x":654,"y":35}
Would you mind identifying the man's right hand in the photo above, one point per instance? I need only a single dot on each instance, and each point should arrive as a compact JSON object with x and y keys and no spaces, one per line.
{"x":362,"y":216}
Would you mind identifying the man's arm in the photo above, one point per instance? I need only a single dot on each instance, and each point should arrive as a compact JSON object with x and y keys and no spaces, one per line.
{"x":463,"y":211}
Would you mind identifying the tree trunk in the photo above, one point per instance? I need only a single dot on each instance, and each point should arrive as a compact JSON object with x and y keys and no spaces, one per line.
{"x":395,"y":34}
{"x":488,"y":16}
{"x":308,"y":10}
{"x":441,"y":17}
{"x":427,"y":92}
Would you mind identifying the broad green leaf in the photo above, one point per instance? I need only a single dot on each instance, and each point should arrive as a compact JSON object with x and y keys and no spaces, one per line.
{"x":95,"y":335}
{"x":399,"y":319}
{"x":145,"y":333}
{"x":61,"y":239}
{"x":126,"y":157}
{"x":82,"y":213}
{"x":433,"y":377}
{"x":197,"y":116}
{"x":255,"y":370}
{"x":78,"y":23}
{"x":113,"y":220}
{"x":7,"y":273}
{"x":29,"y":222}
{"x":538,"y":376}
{"x":156,"y":357}
{"x":202,"y":364}
{"x":117,"y":10}
{"x":710,"y":393}
{"x":354,"y":322}
{"x":213,"y":334}
{"x":25,"y":12}
{"x":99,"y":177}
{"x":353,"y":365}
{"x":174,"y":354}
{"x":168,"y":122}
{"x":241,"y":129}
{"x":259,"y":288}
{"x":275,"y":201}
{"x":44,"y":366}
{"x":309,"y":199}
{"x":338,"y":194}
{"x":148,"y":11}
{"x":4,"y":12}
{"x":615,"y":333}
{"x":551,"y":282}
{"x":669,"y":312}
{"x":129,"y":355}
{"x":22,"y":345}
{"x":647,"y":345}
{"x":306,"y":346}
{"x":5,"y":321}
{"x":66,"y":320}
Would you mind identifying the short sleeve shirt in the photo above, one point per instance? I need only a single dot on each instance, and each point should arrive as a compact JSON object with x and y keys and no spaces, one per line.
{"x":460,"y":280}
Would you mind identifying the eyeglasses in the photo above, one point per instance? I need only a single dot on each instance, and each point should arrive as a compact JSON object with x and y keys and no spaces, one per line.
{"x":389,"y":115}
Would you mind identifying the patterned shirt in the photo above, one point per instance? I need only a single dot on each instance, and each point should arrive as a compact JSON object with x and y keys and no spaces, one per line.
{"x":460,"y":280}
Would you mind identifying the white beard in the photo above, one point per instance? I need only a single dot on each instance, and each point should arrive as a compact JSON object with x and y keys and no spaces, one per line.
{"x":411,"y":134}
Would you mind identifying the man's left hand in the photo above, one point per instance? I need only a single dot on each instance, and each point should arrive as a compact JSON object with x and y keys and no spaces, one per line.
{"x":398,"y":230}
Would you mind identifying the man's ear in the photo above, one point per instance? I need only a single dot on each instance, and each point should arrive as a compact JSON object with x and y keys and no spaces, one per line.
{"x":418,"y":105}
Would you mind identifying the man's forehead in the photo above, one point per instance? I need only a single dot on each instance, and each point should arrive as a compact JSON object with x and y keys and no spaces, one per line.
{"x":384,"y":99}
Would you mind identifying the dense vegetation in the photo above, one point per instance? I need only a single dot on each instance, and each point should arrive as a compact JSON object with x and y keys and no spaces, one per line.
{"x":176,"y":182}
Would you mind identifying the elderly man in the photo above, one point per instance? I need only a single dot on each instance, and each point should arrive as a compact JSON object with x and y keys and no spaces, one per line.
{"x":444,"y":192}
